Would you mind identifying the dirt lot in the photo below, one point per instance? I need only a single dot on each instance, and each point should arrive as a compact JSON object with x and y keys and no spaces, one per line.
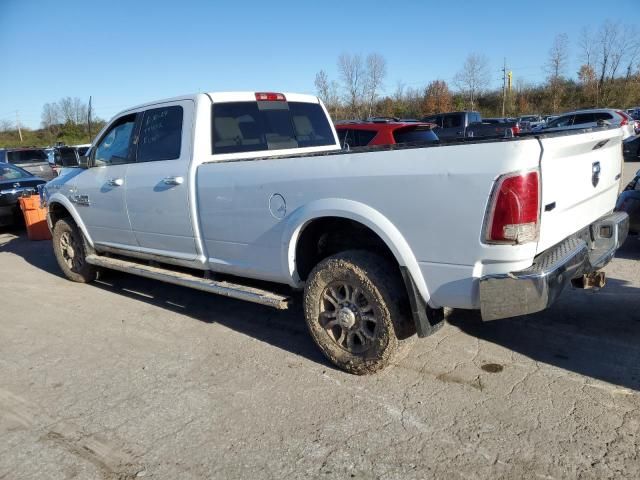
{"x":130,"y":378}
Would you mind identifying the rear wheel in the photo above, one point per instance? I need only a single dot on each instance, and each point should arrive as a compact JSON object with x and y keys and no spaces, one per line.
{"x":355,"y":308}
{"x":69,"y":246}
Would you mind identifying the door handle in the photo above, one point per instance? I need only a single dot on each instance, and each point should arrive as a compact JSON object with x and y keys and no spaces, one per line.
{"x":115,"y":182}
{"x":173,"y":180}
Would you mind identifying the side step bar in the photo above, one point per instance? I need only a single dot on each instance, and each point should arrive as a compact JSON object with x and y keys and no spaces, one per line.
{"x":227,"y":289}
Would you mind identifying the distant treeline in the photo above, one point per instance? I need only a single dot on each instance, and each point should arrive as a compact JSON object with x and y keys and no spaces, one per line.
{"x":65,"y":121}
{"x":608,"y":76}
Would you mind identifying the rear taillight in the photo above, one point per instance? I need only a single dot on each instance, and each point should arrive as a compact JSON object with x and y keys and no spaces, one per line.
{"x":624,"y":118}
{"x":515,"y":130}
{"x":513,"y":215}
{"x":270,"y":97}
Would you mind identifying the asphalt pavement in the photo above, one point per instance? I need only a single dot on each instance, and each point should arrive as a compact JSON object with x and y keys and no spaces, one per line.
{"x":131,"y":378}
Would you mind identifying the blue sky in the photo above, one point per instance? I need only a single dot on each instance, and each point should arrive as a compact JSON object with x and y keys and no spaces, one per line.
{"x":128,"y":52}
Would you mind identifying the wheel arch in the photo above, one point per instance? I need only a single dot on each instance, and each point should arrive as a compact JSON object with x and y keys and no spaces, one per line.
{"x":364,"y":215}
{"x":59,"y":206}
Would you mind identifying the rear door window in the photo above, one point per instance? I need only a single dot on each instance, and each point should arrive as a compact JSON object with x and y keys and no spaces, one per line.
{"x":583,"y":118}
{"x":415,"y":135}
{"x":560,"y":122}
{"x":160,"y":134}
{"x":268,"y":125}
{"x":363,"y":137}
{"x":452,"y":121}
{"x":602,"y":116}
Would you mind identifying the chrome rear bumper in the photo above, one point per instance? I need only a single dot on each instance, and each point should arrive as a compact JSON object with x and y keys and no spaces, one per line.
{"x":536,"y":288}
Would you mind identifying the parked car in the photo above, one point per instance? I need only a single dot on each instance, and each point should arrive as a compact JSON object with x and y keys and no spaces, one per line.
{"x":629,"y":202}
{"x":33,"y":160}
{"x":590,"y":119}
{"x":14,"y":181}
{"x":68,"y":156}
{"x":249,"y":195}
{"x":528,"y":122}
{"x":460,"y":125}
{"x":383,"y":132}
{"x":631,"y":149}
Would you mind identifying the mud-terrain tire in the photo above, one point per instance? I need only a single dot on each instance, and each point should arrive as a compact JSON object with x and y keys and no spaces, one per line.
{"x":356,"y":309}
{"x":70,"y":248}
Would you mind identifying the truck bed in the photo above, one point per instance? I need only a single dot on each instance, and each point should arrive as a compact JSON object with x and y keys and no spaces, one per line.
{"x":433,"y":199}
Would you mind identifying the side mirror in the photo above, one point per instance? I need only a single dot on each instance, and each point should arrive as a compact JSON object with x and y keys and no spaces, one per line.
{"x":57,"y":159}
{"x":83,"y":161}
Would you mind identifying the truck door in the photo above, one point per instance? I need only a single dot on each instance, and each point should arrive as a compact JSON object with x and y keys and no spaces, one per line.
{"x":158,"y":182}
{"x":98,"y":191}
{"x":452,"y":126}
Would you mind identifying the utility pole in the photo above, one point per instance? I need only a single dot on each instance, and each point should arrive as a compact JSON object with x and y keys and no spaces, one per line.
{"x":18,"y":125}
{"x":504,"y":84}
{"x":89,"y":118}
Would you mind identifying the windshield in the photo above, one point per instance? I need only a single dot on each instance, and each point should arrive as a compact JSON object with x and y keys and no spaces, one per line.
{"x":9,"y":172}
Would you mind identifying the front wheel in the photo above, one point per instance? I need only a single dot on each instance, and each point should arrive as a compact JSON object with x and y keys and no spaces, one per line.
{"x":70,"y":251}
{"x":355,"y":308}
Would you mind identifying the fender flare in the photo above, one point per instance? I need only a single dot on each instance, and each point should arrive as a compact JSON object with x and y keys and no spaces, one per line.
{"x":69,"y":207}
{"x":358,"y":212}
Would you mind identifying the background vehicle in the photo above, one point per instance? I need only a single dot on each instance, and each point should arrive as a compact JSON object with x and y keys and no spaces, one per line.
{"x":33,"y":160}
{"x":14,"y":181}
{"x":68,"y":156}
{"x":250,"y":195}
{"x":527,"y":122}
{"x":383,"y":132}
{"x":454,"y":125}
{"x":631,"y":149}
{"x":591,"y":118}
{"x":629,"y":202}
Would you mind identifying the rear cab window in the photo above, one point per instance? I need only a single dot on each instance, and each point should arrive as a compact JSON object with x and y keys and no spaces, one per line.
{"x":253,"y":126}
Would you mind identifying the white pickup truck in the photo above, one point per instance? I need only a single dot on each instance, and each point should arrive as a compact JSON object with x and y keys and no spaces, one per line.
{"x":249,"y":195}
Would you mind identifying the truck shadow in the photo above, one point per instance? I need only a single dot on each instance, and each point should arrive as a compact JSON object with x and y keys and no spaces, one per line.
{"x":596,"y":334}
{"x":283,"y":329}
{"x":593,"y":334}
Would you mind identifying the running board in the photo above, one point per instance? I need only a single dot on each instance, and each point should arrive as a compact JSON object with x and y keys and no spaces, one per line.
{"x":227,"y":289}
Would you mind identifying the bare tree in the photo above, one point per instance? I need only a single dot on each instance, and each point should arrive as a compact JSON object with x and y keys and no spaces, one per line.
{"x":322,"y":85}
{"x":328,"y":92}
{"x":6,"y":126}
{"x":375,"y":74}
{"x":587,"y":44}
{"x":558,"y":57}
{"x":556,"y":68}
{"x":73,"y":110}
{"x":50,"y":115}
{"x":353,"y":76}
{"x":474,"y":77}
{"x":632,"y":49}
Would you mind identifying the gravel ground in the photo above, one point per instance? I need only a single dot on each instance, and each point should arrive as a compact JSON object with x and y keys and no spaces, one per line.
{"x":129,"y":378}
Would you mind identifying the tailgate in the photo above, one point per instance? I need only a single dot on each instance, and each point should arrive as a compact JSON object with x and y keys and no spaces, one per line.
{"x":580,"y":181}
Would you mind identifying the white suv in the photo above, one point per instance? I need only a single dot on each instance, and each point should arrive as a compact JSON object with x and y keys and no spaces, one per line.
{"x":591,"y":118}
